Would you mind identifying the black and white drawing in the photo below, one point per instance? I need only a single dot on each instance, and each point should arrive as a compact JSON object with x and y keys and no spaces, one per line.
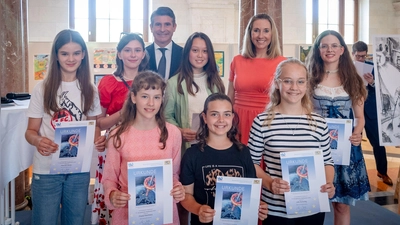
{"x":387,"y":86}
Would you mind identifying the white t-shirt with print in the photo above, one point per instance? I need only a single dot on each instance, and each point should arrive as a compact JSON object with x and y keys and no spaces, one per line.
{"x":69,"y":99}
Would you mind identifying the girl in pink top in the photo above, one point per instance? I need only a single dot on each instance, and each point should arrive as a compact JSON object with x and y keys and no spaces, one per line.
{"x":142,"y":135}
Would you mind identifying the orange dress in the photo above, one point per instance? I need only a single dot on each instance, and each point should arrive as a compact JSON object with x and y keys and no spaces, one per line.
{"x":251,"y":79}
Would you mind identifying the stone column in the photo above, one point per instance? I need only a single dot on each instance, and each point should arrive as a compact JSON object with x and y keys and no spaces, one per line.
{"x":14,"y":65}
{"x":14,"y":47}
{"x":274,"y":9}
{"x":246,"y":11}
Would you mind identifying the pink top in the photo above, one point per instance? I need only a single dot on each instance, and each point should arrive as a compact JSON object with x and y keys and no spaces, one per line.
{"x":112,"y":93}
{"x":138,"y":145}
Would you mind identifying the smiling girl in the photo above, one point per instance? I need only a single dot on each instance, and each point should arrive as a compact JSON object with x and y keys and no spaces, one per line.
{"x":66,"y":94}
{"x":218,"y":153}
{"x":288,"y":124}
{"x":142,"y":135}
{"x":197,"y":78}
{"x":113,"y":89}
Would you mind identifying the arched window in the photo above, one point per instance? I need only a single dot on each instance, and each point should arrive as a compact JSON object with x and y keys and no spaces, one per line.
{"x":104,"y":20}
{"x":338,"y":15}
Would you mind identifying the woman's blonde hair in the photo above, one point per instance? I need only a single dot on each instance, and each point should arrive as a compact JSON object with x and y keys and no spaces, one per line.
{"x":275,"y":95}
{"x":274,"y":48}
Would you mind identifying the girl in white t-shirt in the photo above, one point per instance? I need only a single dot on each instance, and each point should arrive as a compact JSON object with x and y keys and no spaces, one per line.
{"x":66,"y":94}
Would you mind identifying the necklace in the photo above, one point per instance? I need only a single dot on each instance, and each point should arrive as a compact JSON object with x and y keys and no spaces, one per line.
{"x":331,"y":71}
{"x":298,"y":122}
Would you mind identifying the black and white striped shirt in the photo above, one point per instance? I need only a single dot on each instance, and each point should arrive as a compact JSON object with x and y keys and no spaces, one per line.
{"x":286,"y":133}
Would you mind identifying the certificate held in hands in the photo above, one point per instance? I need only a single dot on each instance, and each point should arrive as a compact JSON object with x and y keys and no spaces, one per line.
{"x":237,"y":200}
{"x":340,"y":145}
{"x":149,"y":184}
{"x":75,"y":147}
{"x":305,"y":172}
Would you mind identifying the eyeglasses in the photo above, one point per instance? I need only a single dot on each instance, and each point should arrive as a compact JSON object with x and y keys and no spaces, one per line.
{"x":333,"y":47}
{"x":360,"y":56}
{"x":289,"y":82}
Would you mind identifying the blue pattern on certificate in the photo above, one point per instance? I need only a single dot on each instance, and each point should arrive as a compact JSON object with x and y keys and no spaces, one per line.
{"x":149,"y":184}
{"x":305,"y":172}
{"x":237,"y":200}
{"x":75,"y":146}
{"x":340,"y":145}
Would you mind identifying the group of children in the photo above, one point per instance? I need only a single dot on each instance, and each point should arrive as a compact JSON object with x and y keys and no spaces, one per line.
{"x":148,"y":125}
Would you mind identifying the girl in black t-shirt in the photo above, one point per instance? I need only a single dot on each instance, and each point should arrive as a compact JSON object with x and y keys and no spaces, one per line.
{"x":218,"y":153}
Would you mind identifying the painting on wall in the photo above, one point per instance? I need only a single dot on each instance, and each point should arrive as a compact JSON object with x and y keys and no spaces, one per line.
{"x":104,"y":58}
{"x":219,"y":59}
{"x":387,"y":86}
{"x":40,"y":63}
{"x":97,"y":78}
{"x":303,"y":52}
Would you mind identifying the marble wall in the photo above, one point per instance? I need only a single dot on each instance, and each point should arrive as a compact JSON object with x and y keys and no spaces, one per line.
{"x":14,"y":47}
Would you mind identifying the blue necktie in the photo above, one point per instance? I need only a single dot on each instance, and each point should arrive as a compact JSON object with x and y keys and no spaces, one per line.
{"x":162,"y":65}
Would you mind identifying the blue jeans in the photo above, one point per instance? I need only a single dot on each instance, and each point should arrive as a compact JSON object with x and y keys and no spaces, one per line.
{"x":49,"y":191}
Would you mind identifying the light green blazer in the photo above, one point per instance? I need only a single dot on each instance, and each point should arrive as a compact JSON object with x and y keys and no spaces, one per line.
{"x":177,"y":108}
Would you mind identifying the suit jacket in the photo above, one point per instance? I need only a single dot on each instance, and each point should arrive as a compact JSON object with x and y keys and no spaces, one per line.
{"x":176,"y":57}
{"x":370,"y":111}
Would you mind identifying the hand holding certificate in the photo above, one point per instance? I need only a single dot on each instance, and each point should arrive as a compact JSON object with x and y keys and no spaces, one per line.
{"x":305,"y":172}
{"x":75,"y":141}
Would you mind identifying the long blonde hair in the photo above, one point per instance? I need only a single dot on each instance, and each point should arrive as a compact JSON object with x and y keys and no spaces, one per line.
{"x":249,"y":49}
{"x":275,"y":95}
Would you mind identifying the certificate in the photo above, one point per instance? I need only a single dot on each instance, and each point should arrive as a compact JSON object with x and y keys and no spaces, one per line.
{"x":339,"y":132}
{"x":237,"y":200}
{"x":305,"y":172}
{"x":150,"y":184}
{"x":75,"y":146}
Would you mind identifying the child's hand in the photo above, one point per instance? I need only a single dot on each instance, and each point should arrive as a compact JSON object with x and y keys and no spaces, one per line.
{"x":262,"y":210}
{"x":100,"y":143}
{"x":328,"y":188}
{"x":206,"y":214}
{"x":355,"y":139}
{"x":46,"y":146}
{"x":188,"y":135}
{"x":119,"y":199}
{"x":279,"y":186}
{"x":178,"y":192}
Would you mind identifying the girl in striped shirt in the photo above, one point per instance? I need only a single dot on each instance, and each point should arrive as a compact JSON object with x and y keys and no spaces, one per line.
{"x":288,"y":124}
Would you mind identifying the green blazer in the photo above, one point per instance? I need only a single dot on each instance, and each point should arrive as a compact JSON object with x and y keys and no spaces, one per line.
{"x":176,"y":107}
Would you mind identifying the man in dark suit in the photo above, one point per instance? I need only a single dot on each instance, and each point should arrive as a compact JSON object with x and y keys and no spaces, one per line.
{"x":360,"y":50}
{"x":165,"y":55}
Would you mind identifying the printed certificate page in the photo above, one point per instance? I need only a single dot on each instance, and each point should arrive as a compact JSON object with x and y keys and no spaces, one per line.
{"x":75,"y":147}
{"x":339,"y":132}
{"x":237,"y":200}
{"x":305,"y":172}
{"x":149,"y":184}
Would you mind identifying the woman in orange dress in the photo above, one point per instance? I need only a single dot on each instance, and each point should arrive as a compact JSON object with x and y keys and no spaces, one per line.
{"x":253,"y":70}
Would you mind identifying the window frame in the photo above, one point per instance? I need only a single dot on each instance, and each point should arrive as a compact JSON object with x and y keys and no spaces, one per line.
{"x":126,"y":18}
{"x":315,"y":21}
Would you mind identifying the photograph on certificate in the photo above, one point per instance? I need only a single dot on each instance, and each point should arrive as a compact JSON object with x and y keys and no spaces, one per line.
{"x":146,"y":189}
{"x":69,"y":145}
{"x":299,"y":170}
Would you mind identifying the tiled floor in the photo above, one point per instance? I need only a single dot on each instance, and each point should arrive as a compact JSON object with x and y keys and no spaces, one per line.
{"x":381,"y":193}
